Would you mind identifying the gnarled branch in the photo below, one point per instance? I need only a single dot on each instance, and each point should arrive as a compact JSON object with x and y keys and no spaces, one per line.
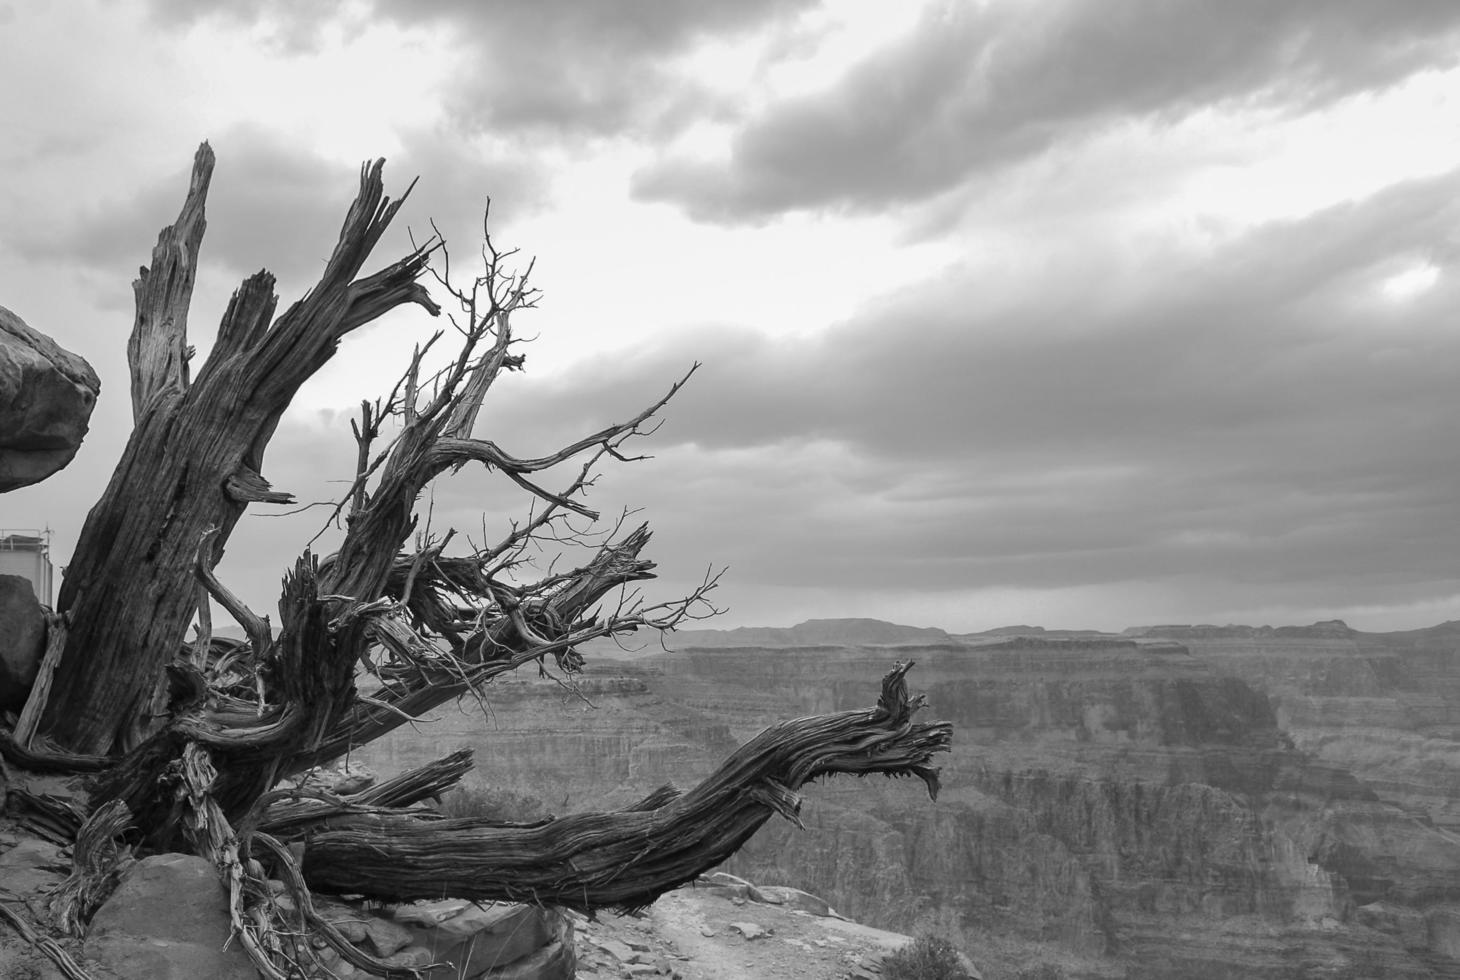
{"x":627,"y":858}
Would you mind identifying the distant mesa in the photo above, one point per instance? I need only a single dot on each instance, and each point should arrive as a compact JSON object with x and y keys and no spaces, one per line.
{"x":1324,"y":629}
{"x":813,"y":632}
{"x":865,"y":632}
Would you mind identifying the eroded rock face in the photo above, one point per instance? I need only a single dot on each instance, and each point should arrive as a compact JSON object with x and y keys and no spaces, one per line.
{"x":22,"y":640}
{"x":1117,"y":802}
{"x":46,"y":398}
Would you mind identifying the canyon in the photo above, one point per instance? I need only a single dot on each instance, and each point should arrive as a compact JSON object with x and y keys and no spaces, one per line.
{"x":1210,"y":802}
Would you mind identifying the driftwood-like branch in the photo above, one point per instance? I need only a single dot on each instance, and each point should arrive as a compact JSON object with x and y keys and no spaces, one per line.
{"x":97,"y":867}
{"x":628,"y":858}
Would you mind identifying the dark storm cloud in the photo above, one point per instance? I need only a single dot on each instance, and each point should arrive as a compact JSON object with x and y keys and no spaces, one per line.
{"x":1259,"y":413}
{"x":277,"y":206}
{"x":547,"y":66}
{"x":977,"y":86}
{"x":1254,"y":420}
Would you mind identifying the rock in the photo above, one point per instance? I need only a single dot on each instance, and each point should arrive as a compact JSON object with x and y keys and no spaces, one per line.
{"x":46,"y":398}
{"x":428,"y":913}
{"x":481,"y":936}
{"x":555,"y":961}
{"x":30,"y":869}
{"x":750,"y":930}
{"x":1443,"y":926}
{"x":618,"y":950}
{"x":168,"y":920}
{"x":764,"y":897}
{"x":22,"y":640}
{"x":23,"y":963}
{"x":386,"y":937}
{"x":349,"y":920}
{"x":409,"y":957}
{"x":792,"y":898}
{"x":1408,"y":925}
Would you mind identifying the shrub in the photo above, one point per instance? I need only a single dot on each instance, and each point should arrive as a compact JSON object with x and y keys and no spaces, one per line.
{"x":927,"y":957}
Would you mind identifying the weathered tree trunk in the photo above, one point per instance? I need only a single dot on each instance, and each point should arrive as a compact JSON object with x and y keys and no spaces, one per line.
{"x":194,"y":458}
{"x":628,"y":858}
{"x":316,"y":715}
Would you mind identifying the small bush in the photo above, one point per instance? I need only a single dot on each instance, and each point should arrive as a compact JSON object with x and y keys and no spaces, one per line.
{"x":927,"y":957}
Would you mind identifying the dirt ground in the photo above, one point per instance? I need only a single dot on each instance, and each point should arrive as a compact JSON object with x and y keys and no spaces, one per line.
{"x":700,"y":936}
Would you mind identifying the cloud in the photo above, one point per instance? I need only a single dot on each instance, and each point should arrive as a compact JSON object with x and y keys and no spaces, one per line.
{"x":549,"y":67}
{"x":1254,"y":422}
{"x":1241,"y":418}
{"x":279,"y":206}
{"x":979,"y":87}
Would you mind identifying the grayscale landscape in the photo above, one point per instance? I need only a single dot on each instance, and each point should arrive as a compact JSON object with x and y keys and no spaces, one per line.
{"x":729,"y":490}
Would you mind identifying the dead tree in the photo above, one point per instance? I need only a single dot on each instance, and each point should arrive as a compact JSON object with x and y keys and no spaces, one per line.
{"x":192,"y":740}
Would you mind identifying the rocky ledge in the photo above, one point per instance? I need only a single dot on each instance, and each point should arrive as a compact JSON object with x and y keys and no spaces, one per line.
{"x":168,"y":920}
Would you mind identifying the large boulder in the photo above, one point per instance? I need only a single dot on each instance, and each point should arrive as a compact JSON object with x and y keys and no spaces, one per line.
{"x":22,"y":640}
{"x":168,"y":920}
{"x":46,"y":397}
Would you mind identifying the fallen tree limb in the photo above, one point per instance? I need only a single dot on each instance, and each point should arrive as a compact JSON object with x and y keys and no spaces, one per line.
{"x":628,"y":858}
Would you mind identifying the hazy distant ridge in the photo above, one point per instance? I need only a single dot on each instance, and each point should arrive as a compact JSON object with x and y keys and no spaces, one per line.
{"x":813,"y":632}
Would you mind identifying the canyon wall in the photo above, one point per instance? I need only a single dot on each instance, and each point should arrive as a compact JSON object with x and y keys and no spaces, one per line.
{"x":1141,"y":806}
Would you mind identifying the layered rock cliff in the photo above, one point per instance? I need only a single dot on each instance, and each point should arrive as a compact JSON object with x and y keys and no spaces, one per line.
{"x":1121,"y":806}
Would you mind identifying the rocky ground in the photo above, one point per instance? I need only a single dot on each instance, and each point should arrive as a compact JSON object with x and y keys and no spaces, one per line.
{"x":167,"y":921}
{"x":719,"y":932}
{"x":1179,"y":801}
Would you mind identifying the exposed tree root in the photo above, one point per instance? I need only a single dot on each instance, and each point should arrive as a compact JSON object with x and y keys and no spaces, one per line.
{"x":98,"y":863}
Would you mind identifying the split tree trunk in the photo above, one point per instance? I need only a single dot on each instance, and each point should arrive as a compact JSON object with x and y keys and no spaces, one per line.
{"x":192,"y":464}
{"x":194,"y":457}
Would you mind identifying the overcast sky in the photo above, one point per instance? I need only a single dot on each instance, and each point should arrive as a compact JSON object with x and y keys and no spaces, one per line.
{"x":1064,"y":312}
